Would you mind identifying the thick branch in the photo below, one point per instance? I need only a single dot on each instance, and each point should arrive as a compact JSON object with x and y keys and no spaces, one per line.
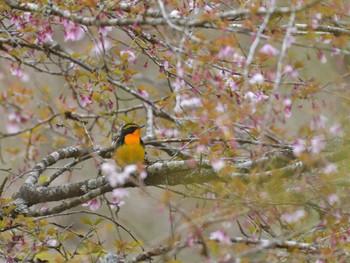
{"x":281,"y":244}
{"x":88,"y":21}
{"x":160,"y":173}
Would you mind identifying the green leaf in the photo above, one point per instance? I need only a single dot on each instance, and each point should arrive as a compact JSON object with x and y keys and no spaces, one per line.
{"x":98,"y":220}
{"x":97,"y":249}
{"x":86,"y":221}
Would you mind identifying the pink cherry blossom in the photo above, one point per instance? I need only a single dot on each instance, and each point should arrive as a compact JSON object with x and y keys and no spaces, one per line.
{"x":220,"y":236}
{"x":336,"y":130}
{"x":293,"y":217}
{"x":318,"y":144}
{"x":289,"y":71}
{"x":16,"y":70}
{"x":330,"y":168}
{"x":257,"y":78}
{"x":166,"y":64}
{"x":191,"y":102}
{"x":322,"y":57}
{"x":238,"y":60}
{"x":93,"y":204}
{"x":287,"y":107}
{"x":289,"y":41}
{"x":168,"y":133}
{"x":175,"y":14}
{"x":86,"y":100}
{"x":207,"y":8}
{"x":269,"y":50}
{"x":218,"y":164}
{"x":261,"y":96}
{"x":318,"y":122}
{"x":333,"y":198}
{"x":101,"y":46}
{"x":120,"y":193}
{"x":28,"y":17}
{"x":52,"y":242}
{"x":299,"y":146}
{"x":128,"y":55}
{"x":104,"y":30}
{"x":115,"y":177}
{"x":44,"y":35}
{"x":73,"y":32}
{"x":12,"y":127}
{"x":315,"y":21}
{"x":16,"y":20}
{"x":226,"y":52}
{"x":143,"y":93}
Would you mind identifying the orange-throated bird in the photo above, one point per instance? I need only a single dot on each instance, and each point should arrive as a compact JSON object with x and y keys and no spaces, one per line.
{"x":130,"y":147}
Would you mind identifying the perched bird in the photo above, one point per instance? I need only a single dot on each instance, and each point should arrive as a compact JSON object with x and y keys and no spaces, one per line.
{"x":130,"y":147}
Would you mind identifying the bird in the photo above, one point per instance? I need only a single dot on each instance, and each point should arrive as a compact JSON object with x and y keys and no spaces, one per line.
{"x":130,"y":148}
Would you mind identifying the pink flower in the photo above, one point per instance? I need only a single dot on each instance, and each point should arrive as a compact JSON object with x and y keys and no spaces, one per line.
{"x":192,"y":102}
{"x":330,"y":168}
{"x":317,"y":144}
{"x":143,"y":174}
{"x":293,"y":217}
{"x":44,"y":35}
{"x":333,"y":198}
{"x":257,"y":78}
{"x":190,"y":240}
{"x":101,"y":46}
{"x":169,"y":133}
{"x":290,"y":40}
{"x":93,"y":204}
{"x":73,"y":32}
{"x":166,"y":64}
{"x":143,"y":93}
{"x":12,"y":127}
{"x":210,"y":195}
{"x":289,"y":71}
{"x":322,"y":57}
{"x":288,"y":111}
{"x":120,"y":193}
{"x":287,"y":107}
{"x":16,"y":70}
{"x":207,"y":8}
{"x":252,"y":97}
{"x":115,"y":177}
{"x":238,"y":60}
{"x":299,"y":147}
{"x":226,"y":52}
{"x":28,"y":17}
{"x":179,"y":70}
{"x":175,"y":14}
{"x":52,"y":242}
{"x":127,"y":55}
{"x":335,"y":51}
{"x":269,"y":50}
{"x":261,"y":96}
{"x":218,"y":164}
{"x":315,"y":21}
{"x":15,"y":119}
{"x":220,"y":236}
{"x":336,"y":130}
{"x":104,"y":30}
{"x":318,"y":123}
{"x":15,"y":20}
{"x":85,"y":100}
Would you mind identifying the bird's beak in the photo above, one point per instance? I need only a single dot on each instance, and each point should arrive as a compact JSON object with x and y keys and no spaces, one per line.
{"x":141,"y":126}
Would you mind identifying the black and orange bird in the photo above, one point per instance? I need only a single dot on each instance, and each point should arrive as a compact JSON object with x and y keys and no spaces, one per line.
{"x":130,"y":147}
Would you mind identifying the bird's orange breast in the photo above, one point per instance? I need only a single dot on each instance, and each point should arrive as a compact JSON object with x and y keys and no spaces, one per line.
{"x":132,"y":138}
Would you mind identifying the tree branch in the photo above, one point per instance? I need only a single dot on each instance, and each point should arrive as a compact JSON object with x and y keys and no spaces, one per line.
{"x":89,"y":21}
